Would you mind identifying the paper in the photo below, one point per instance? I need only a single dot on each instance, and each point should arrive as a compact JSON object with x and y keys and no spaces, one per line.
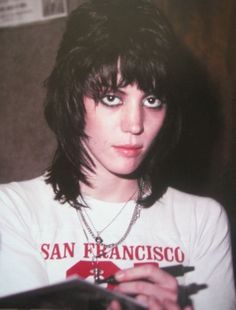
{"x":18,"y":12}
{"x":75,"y":293}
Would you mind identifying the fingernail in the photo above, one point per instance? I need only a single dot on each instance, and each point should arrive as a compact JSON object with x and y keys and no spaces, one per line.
{"x":119,"y":275}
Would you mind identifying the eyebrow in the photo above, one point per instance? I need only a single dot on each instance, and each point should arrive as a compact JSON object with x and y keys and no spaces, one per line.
{"x":115,"y":91}
{"x":145,"y":93}
{"x":118,"y":90}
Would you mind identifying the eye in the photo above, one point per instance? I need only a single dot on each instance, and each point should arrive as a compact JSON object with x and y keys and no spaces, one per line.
{"x":111,"y":100}
{"x":152,"y":102}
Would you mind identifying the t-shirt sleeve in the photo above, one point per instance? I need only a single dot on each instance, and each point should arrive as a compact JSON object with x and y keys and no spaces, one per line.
{"x":211,"y":256}
{"x":21,"y":265}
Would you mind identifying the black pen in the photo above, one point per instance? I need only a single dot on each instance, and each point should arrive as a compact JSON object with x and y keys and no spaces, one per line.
{"x":175,"y":271}
{"x":184,"y":293}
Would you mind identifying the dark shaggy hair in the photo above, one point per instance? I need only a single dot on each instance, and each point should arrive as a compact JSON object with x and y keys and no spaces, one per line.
{"x":99,"y":34}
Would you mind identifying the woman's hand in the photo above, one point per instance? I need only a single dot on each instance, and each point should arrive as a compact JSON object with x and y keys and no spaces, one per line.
{"x":151,"y":286}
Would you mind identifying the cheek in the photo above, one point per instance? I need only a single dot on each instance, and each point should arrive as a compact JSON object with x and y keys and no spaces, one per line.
{"x":97,"y":123}
{"x":155,"y":123}
{"x":97,"y":132}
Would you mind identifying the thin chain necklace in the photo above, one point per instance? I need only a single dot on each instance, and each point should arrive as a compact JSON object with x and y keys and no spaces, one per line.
{"x":96,"y":271}
{"x":95,"y":258}
{"x":98,"y":237}
{"x":97,"y":234}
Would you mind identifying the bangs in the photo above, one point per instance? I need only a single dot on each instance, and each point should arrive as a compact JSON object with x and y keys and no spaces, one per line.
{"x":149,"y":75}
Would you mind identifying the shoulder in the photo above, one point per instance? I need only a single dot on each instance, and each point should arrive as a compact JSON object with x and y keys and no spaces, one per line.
{"x":25,"y":190}
{"x":25,"y":197}
{"x":185,"y":201}
{"x":23,"y":185}
{"x":198,"y":210}
{"x":31,"y":205}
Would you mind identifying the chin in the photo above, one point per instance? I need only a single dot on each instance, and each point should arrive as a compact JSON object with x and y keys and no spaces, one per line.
{"x":127,"y":171}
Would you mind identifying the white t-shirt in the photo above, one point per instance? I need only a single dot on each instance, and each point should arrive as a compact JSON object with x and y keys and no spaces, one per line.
{"x":43,"y":241}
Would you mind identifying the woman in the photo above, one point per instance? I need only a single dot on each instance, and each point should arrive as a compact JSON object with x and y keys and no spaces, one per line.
{"x":114,"y":102}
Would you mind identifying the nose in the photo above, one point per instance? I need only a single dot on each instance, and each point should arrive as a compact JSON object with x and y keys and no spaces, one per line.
{"x":132,"y":118}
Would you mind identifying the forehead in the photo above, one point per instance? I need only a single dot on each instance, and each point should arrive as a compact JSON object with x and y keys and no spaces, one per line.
{"x":129,"y":90}
{"x":119,"y":75}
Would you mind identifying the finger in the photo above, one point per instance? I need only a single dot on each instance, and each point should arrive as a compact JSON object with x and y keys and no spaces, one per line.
{"x":150,"y":273}
{"x":148,"y":289}
{"x":150,"y":302}
{"x":154,"y":304}
{"x":142,"y":299}
{"x":114,"y":305}
{"x":170,"y":305}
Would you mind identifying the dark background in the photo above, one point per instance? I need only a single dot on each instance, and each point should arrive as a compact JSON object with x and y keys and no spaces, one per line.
{"x":27,"y":53}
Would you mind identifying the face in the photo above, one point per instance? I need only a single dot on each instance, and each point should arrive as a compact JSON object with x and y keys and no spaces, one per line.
{"x":121,"y":128}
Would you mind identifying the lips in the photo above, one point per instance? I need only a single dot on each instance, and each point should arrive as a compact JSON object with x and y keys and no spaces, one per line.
{"x":128,"y":150}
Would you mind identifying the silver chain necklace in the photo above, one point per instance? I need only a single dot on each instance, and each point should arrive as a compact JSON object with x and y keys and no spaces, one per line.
{"x":95,"y":258}
{"x":96,"y":236}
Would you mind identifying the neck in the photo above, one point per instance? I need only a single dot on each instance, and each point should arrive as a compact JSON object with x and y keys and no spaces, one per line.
{"x":113,"y":189}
